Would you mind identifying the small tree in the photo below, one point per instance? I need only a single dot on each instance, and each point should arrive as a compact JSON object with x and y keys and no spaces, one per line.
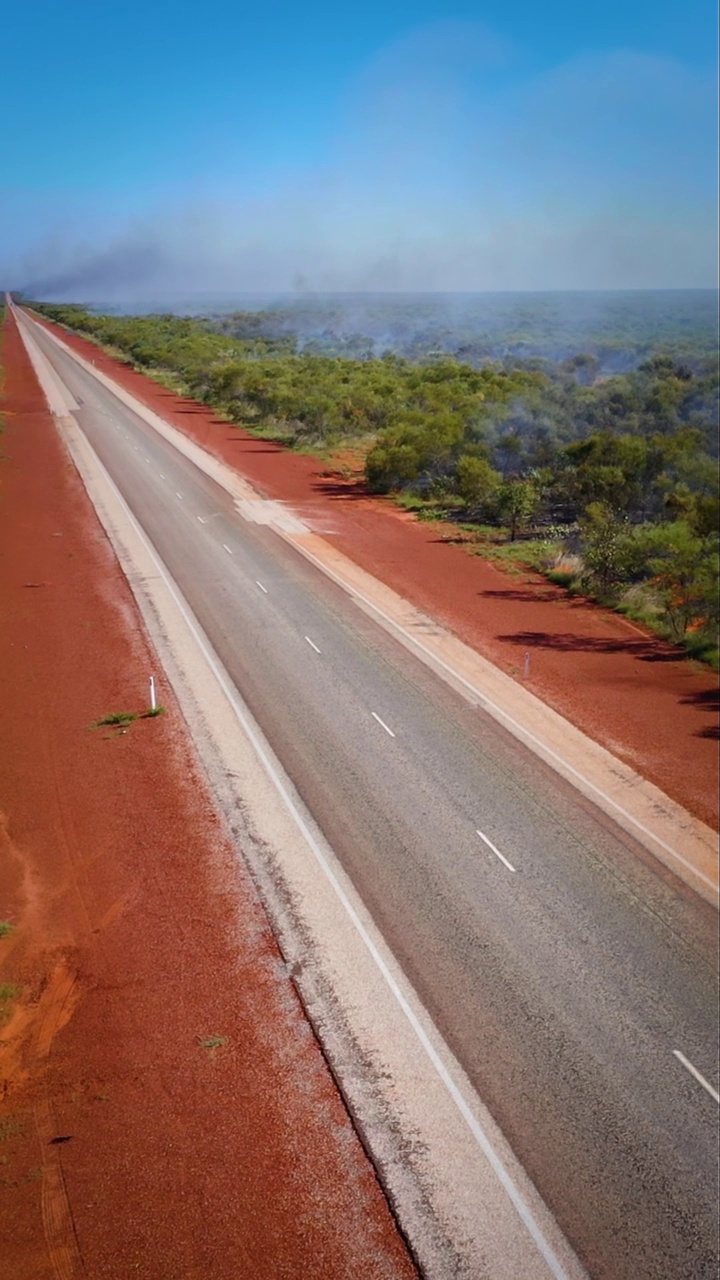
{"x":608,"y":548}
{"x":389,"y":467}
{"x":518,"y":501}
{"x":478,"y":483}
{"x":685,"y":569}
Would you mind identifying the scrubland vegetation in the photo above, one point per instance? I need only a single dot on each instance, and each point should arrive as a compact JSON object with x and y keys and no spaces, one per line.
{"x":607,"y":482}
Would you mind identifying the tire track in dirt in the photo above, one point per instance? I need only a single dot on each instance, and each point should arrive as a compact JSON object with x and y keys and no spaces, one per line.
{"x":54,"y":1011}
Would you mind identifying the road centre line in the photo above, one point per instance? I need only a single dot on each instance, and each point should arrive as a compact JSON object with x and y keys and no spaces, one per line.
{"x":312,"y":644}
{"x":226,"y":548}
{"x":260,"y":585}
{"x":382,"y":722}
{"x":694,"y":1072}
{"x":497,"y":852}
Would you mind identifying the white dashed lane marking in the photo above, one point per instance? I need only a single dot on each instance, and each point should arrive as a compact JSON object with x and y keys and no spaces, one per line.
{"x":312,"y":644}
{"x":497,"y":852}
{"x":694,"y":1072}
{"x":260,"y":585}
{"x":375,"y":716}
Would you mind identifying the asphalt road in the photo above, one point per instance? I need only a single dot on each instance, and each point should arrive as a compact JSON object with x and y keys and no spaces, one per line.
{"x":561,"y":968}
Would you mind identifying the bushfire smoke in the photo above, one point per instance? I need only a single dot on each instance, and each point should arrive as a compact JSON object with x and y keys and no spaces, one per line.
{"x":448,"y":170}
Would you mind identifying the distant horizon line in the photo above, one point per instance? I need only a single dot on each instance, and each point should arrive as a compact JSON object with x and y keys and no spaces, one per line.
{"x":301,"y":293}
{"x":291,"y":295}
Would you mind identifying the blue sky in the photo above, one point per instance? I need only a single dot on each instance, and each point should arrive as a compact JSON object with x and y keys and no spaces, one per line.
{"x":177,"y":146}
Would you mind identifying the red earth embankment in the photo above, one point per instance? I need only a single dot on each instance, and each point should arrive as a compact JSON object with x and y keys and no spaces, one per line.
{"x":628,"y":690}
{"x":165,"y":1110}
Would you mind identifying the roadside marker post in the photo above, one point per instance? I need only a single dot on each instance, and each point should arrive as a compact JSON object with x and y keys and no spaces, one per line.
{"x":526,"y":667}
{"x":153,"y":697}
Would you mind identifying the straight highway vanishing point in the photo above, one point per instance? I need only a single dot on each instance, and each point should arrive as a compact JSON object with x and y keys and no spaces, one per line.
{"x":590,"y":910}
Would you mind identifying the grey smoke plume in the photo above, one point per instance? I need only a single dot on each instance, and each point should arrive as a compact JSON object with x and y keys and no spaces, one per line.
{"x":118,"y":270}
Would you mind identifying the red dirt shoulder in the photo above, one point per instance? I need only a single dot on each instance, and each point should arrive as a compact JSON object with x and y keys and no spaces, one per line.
{"x":132,"y":1141}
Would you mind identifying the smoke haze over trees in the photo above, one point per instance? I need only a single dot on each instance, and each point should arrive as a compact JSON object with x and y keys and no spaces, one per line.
{"x":615,"y":472}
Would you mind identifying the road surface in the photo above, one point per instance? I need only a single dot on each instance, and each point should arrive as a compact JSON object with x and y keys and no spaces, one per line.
{"x":574,"y":984}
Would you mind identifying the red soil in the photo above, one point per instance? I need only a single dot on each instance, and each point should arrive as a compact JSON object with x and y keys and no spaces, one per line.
{"x":127,"y":1147}
{"x":629,"y":691}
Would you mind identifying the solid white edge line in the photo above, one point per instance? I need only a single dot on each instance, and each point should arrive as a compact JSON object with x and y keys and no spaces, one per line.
{"x":497,"y":852}
{"x":260,"y":585}
{"x":227,"y":548}
{"x":521,"y":1206}
{"x":312,"y":644}
{"x":382,"y":722}
{"x":698,"y":1076}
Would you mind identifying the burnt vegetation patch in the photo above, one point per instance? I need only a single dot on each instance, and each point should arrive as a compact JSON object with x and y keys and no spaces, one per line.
{"x":578,"y":440}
